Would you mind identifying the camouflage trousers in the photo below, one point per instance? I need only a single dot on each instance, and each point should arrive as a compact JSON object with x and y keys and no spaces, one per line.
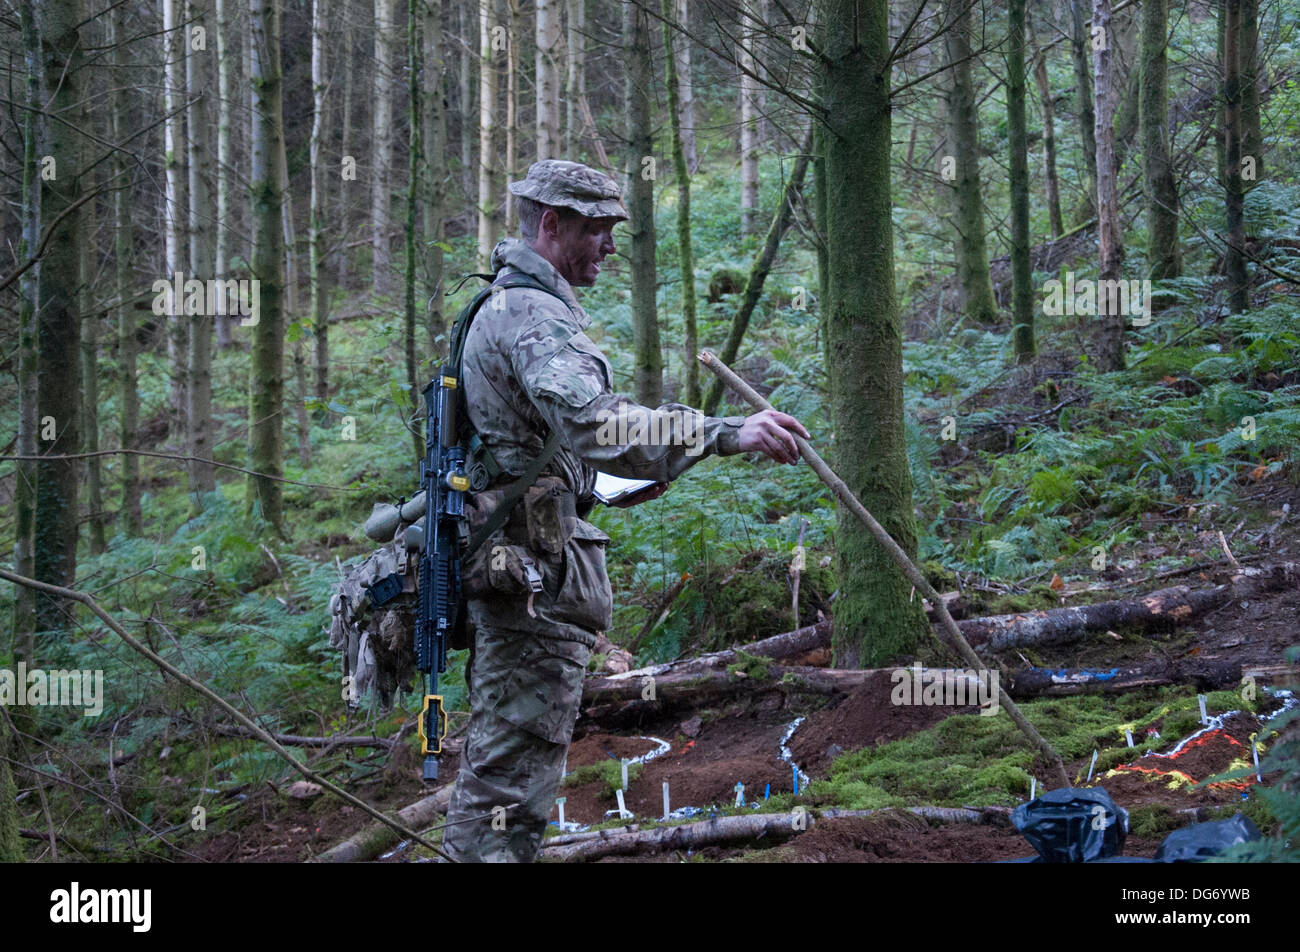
{"x":524,"y":695}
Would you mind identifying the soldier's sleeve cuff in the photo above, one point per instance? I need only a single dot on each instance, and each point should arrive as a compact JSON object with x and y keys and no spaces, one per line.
{"x":728,"y":442}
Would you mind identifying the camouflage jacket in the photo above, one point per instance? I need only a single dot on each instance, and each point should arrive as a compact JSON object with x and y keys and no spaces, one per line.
{"x":529,"y":368}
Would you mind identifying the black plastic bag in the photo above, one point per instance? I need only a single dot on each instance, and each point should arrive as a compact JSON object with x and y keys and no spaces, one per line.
{"x":1200,"y":841}
{"x":1073,"y":825}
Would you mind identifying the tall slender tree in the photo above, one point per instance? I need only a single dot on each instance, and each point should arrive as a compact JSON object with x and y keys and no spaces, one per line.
{"x":59,"y":315}
{"x":876,"y":618}
{"x":1080,"y":44}
{"x":1163,"y":258}
{"x":685,"y":251}
{"x":176,"y":208}
{"x":548,"y":78}
{"x":1110,"y":322}
{"x":1252,"y":134}
{"x":202,"y":211}
{"x":382,"y":155}
{"x":686,"y":87}
{"x":967,"y":193}
{"x":266,"y":368}
{"x":1050,"y":180}
{"x":226,"y":76}
{"x":749,"y":23}
{"x":1022,"y":293}
{"x":319,"y":289}
{"x":1235,"y":261}
{"x":488,"y":174}
{"x":640,"y":163}
{"x":90,"y":319}
{"x":414,"y":157}
{"x":435,"y":165}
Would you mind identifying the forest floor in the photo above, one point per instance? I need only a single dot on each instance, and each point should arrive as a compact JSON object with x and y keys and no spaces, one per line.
{"x":709,"y":751}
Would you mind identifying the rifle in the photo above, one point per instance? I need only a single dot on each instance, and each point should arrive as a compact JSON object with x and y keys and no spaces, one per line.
{"x":444,"y":481}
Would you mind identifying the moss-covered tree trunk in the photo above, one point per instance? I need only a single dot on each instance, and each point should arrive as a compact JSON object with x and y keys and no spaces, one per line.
{"x":637,"y":92}
{"x":1238,"y":288}
{"x":874,"y":618}
{"x":685,"y":252}
{"x":266,"y":368}
{"x":202,"y":212}
{"x":11,"y":850}
{"x":90,"y":318}
{"x":1022,"y":294}
{"x":123,"y":264}
{"x":1163,"y":258}
{"x":176,"y":211}
{"x":1109,"y":329}
{"x":435,"y":170}
{"x":58,"y":318}
{"x":967,"y":199}
{"x":1083,"y":108}
{"x":1050,"y":179}
{"x":413,"y":156}
{"x":317,"y":272}
{"x":1252,"y":134}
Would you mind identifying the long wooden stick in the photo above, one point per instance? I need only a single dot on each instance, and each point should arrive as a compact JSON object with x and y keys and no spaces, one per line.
{"x":253,"y":728}
{"x":909,"y":569}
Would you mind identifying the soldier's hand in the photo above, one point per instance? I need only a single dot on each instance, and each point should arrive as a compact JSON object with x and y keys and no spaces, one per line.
{"x":768,"y":432}
{"x":645,"y":495}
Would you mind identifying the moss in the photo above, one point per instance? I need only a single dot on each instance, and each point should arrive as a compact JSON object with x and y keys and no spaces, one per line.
{"x":1154,"y":820}
{"x":607,"y":772}
{"x":751,"y":666}
{"x":1255,"y":808}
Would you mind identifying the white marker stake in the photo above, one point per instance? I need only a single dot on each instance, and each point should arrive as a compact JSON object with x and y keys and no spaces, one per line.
{"x":666,"y":810}
{"x":623,"y":812}
{"x":625,"y":774}
{"x":1033,"y":787}
{"x":1092,"y":765}
{"x":1254,"y":749}
{"x":1204,"y":718}
{"x":740,"y":794}
{"x":1128,"y":735}
{"x":560,"y":803}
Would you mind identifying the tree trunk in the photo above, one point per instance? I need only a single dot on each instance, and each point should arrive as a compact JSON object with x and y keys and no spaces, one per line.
{"x":1252,"y":134}
{"x":225,"y":16}
{"x":967,"y":200}
{"x":24,"y":644}
{"x":345,"y":138}
{"x":90,"y":318}
{"x":1109,"y":333}
{"x":648,"y":360}
{"x":685,"y":252}
{"x":382,"y":149}
{"x":761,"y":268}
{"x":176,"y":211}
{"x":371,"y":840}
{"x":488,"y":175}
{"x":575,"y":78}
{"x":548,"y":79}
{"x":302,"y":423}
{"x":11,"y":850}
{"x":202,"y":212}
{"x":266,"y":369}
{"x":748,"y":119}
{"x":1161,"y":193}
{"x":414,"y":157}
{"x":318,"y":280}
{"x":1238,"y":284}
{"x":686,"y":88}
{"x":434,"y":136}
{"x":875,"y":618}
{"x":124,"y":263}
{"x":1022,"y":292}
{"x":58,"y":318}
{"x":468,"y":114}
{"x":1049,"y":147}
{"x":512,"y":112}
{"x":1079,"y":45}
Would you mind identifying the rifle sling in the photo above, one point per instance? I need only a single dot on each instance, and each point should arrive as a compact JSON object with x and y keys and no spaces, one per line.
{"x":512,"y":496}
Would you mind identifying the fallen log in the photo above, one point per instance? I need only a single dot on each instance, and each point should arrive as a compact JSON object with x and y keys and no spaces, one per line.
{"x":371,"y":840}
{"x":1206,"y":673}
{"x":733,"y":829}
{"x":1161,"y":610}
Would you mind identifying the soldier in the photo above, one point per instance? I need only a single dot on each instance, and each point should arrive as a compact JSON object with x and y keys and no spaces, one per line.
{"x":528,"y":369}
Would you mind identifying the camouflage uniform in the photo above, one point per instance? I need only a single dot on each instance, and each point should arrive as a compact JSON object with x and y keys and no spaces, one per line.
{"x":528,"y":368}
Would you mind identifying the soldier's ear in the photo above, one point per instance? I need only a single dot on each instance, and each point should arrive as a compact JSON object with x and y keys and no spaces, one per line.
{"x":550,"y":223}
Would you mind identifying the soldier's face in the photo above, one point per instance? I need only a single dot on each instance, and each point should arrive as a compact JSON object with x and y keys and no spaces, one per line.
{"x":583,"y":244}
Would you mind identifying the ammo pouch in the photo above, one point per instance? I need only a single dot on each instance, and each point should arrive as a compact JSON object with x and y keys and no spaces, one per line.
{"x":544,"y":558}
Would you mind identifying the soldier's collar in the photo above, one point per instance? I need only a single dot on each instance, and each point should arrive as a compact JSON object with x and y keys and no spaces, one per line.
{"x":520,"y":256}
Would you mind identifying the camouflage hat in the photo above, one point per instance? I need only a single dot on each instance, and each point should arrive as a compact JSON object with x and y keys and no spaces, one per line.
{"x":572,"y":185}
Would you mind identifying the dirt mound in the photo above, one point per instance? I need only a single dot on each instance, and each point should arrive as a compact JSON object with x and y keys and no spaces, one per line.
{"x":865,"y":718}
